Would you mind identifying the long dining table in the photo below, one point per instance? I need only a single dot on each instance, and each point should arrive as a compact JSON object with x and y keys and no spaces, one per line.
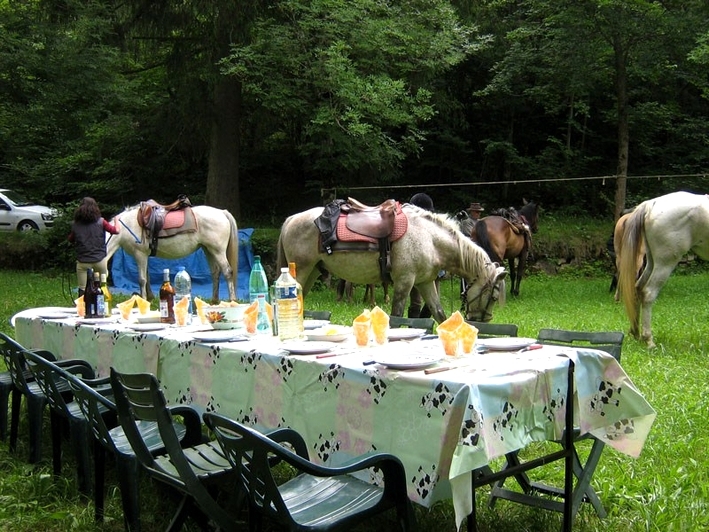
{"x":350,"y":400}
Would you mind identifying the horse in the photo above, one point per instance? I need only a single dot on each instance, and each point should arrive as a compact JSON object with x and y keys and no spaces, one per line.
{"x":507,"y":237}
{"x":669,"y":227}
{"x":215,"y":232}
{"x":431,"y":243}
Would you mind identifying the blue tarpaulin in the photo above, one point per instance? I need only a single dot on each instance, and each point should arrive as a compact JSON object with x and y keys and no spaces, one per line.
{"x":124,"y":271}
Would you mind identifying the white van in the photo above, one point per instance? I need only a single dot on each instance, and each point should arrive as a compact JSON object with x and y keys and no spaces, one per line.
{"x":19,"y":214}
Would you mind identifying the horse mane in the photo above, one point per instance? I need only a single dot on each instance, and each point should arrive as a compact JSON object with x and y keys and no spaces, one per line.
{"x":473,"y":257}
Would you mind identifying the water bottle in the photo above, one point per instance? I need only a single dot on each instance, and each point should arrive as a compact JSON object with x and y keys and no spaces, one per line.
{"x":288,"y":322}
{"x":183,"y":288}
{"x":258,"y":284}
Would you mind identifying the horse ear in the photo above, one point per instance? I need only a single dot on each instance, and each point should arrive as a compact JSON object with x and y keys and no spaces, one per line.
{"x":524,"y":201}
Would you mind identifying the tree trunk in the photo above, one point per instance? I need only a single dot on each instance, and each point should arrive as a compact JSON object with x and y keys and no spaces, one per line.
{"x":623,"y":135}
{"x":223,"y":176}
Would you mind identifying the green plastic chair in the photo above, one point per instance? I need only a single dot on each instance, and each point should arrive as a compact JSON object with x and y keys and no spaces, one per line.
{"x":52,"y":381}
{"x":318,"y":498}
{"x":611,"y":343}
{"x":194,"y":467}
{"x":493,"y":330}
{"x":396,"y":322}
{"x":317,"y":315}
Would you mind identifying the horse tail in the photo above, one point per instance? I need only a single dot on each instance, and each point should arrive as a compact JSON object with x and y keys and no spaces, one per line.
{"x":628,"y":257}
{"x":482,"y":239}
{"x":232,"y":249}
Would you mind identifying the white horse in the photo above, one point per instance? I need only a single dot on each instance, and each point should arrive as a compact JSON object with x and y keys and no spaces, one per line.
{"x":669,"y":226}
{"x":432,"y":243}
{"x":216,"y":233}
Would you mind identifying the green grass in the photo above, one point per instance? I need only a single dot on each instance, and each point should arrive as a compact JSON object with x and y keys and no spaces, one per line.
{"x":666,"y":489}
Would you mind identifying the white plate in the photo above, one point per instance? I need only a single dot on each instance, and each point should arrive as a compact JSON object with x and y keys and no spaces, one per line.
{"x":505,"y":344}
{"x":96,"y":321}
{"x":329,"y":333}
{"x":148,"y":317}
{"x":314,"y":324}
{"x":407,"y":361}
{"x":146,"y":327}
{"x":404,"y":333}
{"x":53,"y":315}
{"x":307,"y":348}
{"x":218,"y":336}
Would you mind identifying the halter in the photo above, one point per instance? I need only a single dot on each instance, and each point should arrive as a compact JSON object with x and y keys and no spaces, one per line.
{"x":490,"y":286}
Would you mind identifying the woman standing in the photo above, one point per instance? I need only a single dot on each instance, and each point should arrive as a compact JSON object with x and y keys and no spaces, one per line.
{"x":88,"y":234}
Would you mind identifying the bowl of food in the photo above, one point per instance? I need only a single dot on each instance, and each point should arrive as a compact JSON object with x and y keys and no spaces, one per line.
{"x":226,"y":316}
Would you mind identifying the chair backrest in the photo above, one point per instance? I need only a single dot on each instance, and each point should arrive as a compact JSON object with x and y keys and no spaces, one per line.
{"x":609,"y":341}
{"x":52,"y":379}
{"x":493,"y":330}
{"x":138,"y":397}
{"x":396,"y":322}
{"x":134,"y":401}
{"x":317,"y":315}
{"x":252,"y":453}
{"x":93,"y":405}
{"x":12,"y":354}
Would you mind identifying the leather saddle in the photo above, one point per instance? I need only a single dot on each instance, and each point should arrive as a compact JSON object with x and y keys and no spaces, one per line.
{"x":353,"y":226}
{"x":152,"y":216}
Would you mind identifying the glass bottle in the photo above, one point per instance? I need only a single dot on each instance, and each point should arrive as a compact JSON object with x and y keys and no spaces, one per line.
{"x":263,"y":323}
{"x":89,"y":295}
{"x":167,"y":299}
{"x":258,"y":283}
{"x":106,"y":296}
{"x":100,"y":301}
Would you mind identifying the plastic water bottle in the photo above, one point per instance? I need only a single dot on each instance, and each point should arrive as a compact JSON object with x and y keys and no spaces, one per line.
{"x":288,"y":322}
{"x":183,"y":288}
{"x":258,"y":284}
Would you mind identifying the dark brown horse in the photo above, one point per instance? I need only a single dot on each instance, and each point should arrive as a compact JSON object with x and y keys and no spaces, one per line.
{"x":507,"y":237}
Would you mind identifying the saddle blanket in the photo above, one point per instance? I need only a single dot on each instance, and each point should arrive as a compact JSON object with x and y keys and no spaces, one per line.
{"x":176,"y":222}
{"x":344,"y":234}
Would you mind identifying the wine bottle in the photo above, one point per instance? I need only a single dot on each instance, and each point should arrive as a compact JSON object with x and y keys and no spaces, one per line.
{"x":167,"y":299}
{"x":100,"y":301}
{"x":90,"y":295}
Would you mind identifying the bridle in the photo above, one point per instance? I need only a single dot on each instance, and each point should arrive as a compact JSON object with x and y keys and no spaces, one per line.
{"x":491,"y":287}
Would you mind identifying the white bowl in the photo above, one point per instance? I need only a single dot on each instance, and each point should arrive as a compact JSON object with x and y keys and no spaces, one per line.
{"x":222,"y":317}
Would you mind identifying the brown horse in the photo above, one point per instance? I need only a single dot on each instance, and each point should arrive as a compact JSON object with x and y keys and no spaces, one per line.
{"x":508,"y":237}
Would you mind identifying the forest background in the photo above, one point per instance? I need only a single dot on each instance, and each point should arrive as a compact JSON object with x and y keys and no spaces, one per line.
{"x":268,"y":107}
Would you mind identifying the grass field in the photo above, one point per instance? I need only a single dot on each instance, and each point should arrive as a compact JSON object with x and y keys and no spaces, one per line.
{"x":666,"y":489}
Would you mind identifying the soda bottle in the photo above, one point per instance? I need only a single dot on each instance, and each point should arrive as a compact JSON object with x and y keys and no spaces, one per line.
{"x":299,"y":292}
{"x":167,"y":299}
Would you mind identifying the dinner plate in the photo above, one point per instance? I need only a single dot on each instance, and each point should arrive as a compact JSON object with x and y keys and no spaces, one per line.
{"x":329,"y":333}
{"x":53,"y":315}
{"x":148,"y":317}
{"x":511,"y":343}
{"x":407,"y":361}
{"x":96,"y":321}
{"x":307,"y":348}
{"x":147,"y":327}
{"x":223,"y":335}
{"x":314,"y":324}
{"x":404,"y":333}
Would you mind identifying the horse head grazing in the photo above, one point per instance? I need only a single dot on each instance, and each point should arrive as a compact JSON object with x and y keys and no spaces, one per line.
{"x":478,"y":300}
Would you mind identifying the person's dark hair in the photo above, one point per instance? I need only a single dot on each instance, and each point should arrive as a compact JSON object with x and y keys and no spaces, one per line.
{"x":422,"y":200}
{"x":87,"y":212}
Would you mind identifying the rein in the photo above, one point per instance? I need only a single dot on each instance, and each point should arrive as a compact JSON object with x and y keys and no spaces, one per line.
{"x":489,"y":287}
{"x":137,"y":240}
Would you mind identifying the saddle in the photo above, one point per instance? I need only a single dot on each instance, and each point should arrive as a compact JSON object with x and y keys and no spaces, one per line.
{"x":518,"y":224}
{"x":353,"y":226}
{"x":152,"y":216}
